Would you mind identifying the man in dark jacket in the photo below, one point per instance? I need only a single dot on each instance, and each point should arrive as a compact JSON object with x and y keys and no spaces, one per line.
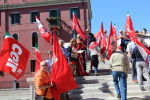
{"x":140,"y":65}
{"x":90,"y":36}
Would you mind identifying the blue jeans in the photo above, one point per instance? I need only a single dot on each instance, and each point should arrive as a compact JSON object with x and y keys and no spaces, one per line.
{"x":94,"y":60}
{"x":134,"y":70}
{"x":120,"y":83}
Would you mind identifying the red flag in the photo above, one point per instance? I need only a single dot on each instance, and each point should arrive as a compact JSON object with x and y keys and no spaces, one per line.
{"x":103,"y":41}
{"x":133,"y":37}
{"x":99,"y":34}
{"x":143,"y":50}
{"x":112,"y":40}
{"x":92,"y":45}
{"x":129,"y":26}
{"x":77,"y":28}
{"x":44,"y":33}
{"x":13,"y":57}
{"x":38,"y":59}
{"x":61,"y":73}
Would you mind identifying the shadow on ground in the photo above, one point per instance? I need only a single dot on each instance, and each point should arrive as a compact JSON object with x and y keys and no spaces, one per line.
{"x":137,"y":98}
{"x":93,"y":99}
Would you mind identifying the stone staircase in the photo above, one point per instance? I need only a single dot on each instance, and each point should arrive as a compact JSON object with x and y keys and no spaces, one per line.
{"x":101,"y":87}
{"x":15,"y":94}
{"x":90,"y":88}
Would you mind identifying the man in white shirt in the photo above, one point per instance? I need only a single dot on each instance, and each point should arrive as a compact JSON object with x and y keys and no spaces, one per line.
{"x":129,"y":50}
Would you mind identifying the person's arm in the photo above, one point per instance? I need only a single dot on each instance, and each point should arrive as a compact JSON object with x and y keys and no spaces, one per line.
{"x":40,"y":83}
{"x":49,"y":85}
{"x":69,"y":49}
{"x":127,"y":64}
{"x":111,"y":60}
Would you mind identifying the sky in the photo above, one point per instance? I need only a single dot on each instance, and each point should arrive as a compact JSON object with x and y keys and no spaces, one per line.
{"x":115,"y":11}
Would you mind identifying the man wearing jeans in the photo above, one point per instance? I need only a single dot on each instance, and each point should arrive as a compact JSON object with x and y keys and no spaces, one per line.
{"x":140,"y":65}
{"x":129,"y":50}
{"x":119,"y":64}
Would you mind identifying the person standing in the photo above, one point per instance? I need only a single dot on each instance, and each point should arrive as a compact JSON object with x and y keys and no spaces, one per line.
{"x":64,"y":50}
{"x":119,"y":64}
{"x":124,"y":40}
{"x":131,"y":45}
{"x":140,"y":65}
{"x":73,"y":60}
{"x":90,"y":37}
{"x":43,"y":83}
{"x":95,"y":51}
{"x":81,"y":46}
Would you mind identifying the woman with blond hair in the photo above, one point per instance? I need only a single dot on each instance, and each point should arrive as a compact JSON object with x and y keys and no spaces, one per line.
{"x":72,"y":49}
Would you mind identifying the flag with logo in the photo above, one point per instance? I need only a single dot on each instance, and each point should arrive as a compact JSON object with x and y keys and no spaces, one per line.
{"x":44,"y":33}
{"x":99,"y":34}
{"x":13,"y":57}
{"x":112,"y":40}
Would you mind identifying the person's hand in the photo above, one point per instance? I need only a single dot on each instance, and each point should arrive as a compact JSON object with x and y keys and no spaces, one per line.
{"x":126,"y":75}
{"x":52,"y":84}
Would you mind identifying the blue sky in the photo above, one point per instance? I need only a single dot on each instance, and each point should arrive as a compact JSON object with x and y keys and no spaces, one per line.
{"x":116,"y":11}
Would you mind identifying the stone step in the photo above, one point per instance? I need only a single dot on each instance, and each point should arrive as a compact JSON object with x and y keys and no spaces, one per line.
{"x":103,"y":77}
{"x":21,"y":97}
{"x":107,"y":95}
{"x":114,"y":98}
{"x":95,"y":82}
{"x":102,"y":89}
{"x":14,"y":92}
{"x":106,"y":85}
{"x":132,"y":98}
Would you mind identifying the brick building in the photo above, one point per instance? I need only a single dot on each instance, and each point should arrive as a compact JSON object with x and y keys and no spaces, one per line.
{"x":18,"y":18}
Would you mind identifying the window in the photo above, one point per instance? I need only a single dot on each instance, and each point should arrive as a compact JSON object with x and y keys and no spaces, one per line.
{"x":54,"y":13}
{"x":34,"y":39}
{"x":54,"y":17}
{"x":15,"y":36}
{"x":32,"y":65}
{"x":15,"y":18}
{"x":76,"y":11}
{"x":33,"y":14}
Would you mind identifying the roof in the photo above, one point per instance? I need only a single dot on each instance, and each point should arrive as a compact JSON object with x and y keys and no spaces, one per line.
{"x":24,"y":4}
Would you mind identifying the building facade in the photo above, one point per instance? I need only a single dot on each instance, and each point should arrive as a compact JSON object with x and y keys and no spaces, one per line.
{"x":18,"y":18}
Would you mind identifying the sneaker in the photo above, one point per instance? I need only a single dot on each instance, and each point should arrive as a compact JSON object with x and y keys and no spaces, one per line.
{"x":96,"y":74}
{"x":103,"y":62}
{"x":144,"y":79}
{"x":118,"y":96}
{"x":142,"y":88}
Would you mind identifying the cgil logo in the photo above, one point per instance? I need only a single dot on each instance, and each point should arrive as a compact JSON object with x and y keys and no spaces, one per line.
{"x":14,"y":57}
